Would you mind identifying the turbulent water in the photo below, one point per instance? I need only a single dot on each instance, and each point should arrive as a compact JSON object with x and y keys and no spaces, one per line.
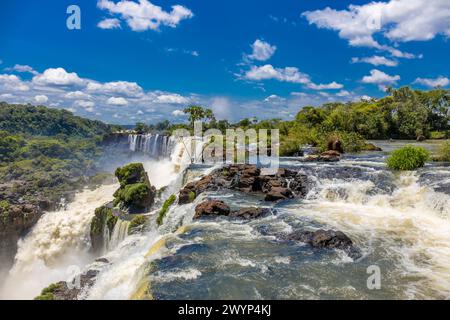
{"x":400,"y":221}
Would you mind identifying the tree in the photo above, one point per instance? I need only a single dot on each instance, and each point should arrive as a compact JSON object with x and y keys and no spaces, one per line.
{"x":141,"y":128}
{"x":198,"y":113}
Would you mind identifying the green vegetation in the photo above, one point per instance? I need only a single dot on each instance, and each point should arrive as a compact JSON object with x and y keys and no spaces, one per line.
{"x":444,"y":151}
{"x":132,"y":195}
{"x":49,"y":292}
{"x":103,"y":217}
{"x":408,"y":158}
{"x":136,"y":223}
{"x":131,"y":173}
{"x":192,"y":196}
{"x":165,"y":208}
{"x":45,"y":153}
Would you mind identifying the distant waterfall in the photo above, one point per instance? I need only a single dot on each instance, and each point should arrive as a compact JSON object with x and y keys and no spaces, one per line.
{"x":154,"y":145}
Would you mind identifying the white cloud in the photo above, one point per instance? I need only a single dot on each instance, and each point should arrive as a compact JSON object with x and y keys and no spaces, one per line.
{"x":288,"y":74}
{"x":145,"y":15}
{"x":139,"y":112}
{"x":130,"y":89}
{"x":343,"y":93}
{"x":396,"y":20}
{"x":439,"y":81}
{"x":23,"y":69}
{"x":77,"y":95}
{"x":262,"y":50}
{"x":117,"y":101}
{"x":273,"y":98}
{"x":12,"y":82}
{"x":332,"y":85}
{"x":379,"y":77}
{"x":178,"y":113}
{"x":58,"y":77}
{"x":84,"y":104}
{"x":266,"y":72}
{"x":376,"y":61}
{"x":41,"y":98}
{"x":109,"y":24}
{"x":171,"y":99}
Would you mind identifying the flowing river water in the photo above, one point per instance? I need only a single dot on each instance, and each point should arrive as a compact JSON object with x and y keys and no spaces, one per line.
{"x":400,"y":221}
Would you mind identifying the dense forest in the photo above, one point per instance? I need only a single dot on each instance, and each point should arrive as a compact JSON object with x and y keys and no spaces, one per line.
{"x":403,"y":114}
{"x":44,"y":151}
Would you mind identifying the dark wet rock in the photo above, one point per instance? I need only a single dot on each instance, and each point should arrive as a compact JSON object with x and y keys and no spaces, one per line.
{"x":69,"y":291}
{"x":136,"y":194}
{"x":105,"y":217}
{"x":371,"y":147}
{"x":329,"y":239}
{"x":250,"y":213}
{"x":421,"y":138}
{"x":102,"y":260}
{"x":327,"y":156}
{"x":211,"y":208}
{"x":335,"y":145}
{"x":284,"y":184}
{"x":278,"y":193}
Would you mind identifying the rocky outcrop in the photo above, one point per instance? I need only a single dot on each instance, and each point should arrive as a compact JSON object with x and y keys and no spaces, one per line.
{"x":136,"y":194}
{"x":69,"y":291}
{"x":211,"y":208}
{"x":327,"y":156}
{"x":285,"y":184}
{"x":371,"y":147}
{"x":105,"y":217}
{"x":15,"y":221}
{"x":326,"y":239}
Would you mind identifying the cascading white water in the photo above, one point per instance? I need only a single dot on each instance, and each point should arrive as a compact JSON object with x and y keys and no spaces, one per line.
{"x":119,"y":233}
{"x":154,"y":145}
{"x":413,"y":221}
{"x":59,"y":241}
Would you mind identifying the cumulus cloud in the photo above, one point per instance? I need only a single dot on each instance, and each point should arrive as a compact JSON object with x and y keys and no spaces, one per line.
{"x":22,"y":68}
{"x":57,"y":77}
{"x":262,"y":50}
{"x":395,"y":20}
{"x":171,"y":99}
{"x":376,"y":61}
{"x":111,"y":23}
{"x":178,"y":113}
{"x":77,"y":95}
{"x":143,"y":15}
{"x":117,"y":101}
{"x":288,"y":74}
{"x":12,"y":82}
{"x":41,"y":98}
{"x":379,"y":77}
{"x":129,"y":89}
{"x":432,"y":83}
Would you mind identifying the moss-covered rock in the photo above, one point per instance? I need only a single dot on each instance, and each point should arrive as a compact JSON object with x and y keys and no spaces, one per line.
{"x":165,"y":208}
{"x":137,"y":223}
{"x":103,"y":218}
{"x":136,"y":194}
{"x":49,"y":292}
{"x":131,"y":173}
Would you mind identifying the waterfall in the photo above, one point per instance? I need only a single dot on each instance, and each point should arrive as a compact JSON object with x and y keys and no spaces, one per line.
{"x":58,"y":242}
{"x":154,"y":145}
{"x":119,"y":233}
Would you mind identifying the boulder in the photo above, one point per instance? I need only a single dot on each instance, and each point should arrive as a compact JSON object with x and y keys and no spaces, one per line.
{"x":421,"y":138}
{"x":246,"y":178}
{"x":335,"y":145}
{"x":211,"y":208}
{"x":136,"y":194}
{"x":327,"y":156}
{"x":329,"y":239}
{"x":250,"y":213}
{"x":278,"y":193}
{"x":371,"y":147}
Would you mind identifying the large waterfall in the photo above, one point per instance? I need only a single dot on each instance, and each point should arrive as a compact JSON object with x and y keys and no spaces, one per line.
{"x":155,"y":145}
{"x":401,"y":223}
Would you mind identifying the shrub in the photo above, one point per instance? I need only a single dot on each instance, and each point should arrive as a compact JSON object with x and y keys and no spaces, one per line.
{"x":130,"y":174}
{"x":165,"y":208}
{"x":408,"y":158}
{"x":134,"y":194}
{"x":444,"y":151}
{"x":48,"y":293}
{"x":136,"y":223}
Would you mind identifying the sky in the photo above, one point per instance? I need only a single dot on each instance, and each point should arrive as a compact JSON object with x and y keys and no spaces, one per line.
{"x":146,"y":60}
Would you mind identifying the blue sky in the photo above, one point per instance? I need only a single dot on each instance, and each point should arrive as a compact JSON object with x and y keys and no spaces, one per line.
{"x":146,"y":60}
